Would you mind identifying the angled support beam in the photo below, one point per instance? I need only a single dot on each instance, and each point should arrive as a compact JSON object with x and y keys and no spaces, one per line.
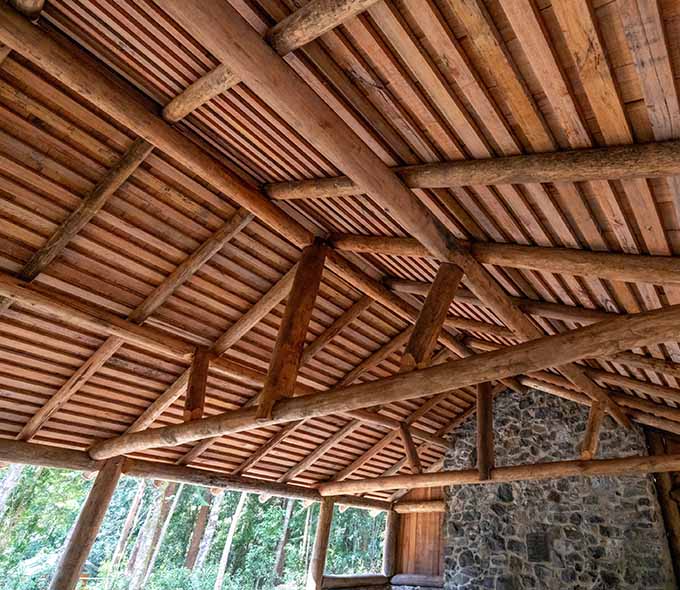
{"x":606,"y":163}
{"x":86,"y":210}
{"x":410,"y":449}
{"x":485,"y":443}
{"x":591,"y":438}
{"x":608,"y":337}
{"x":141,"y":313}
{"x":303,"y":26}
{"x":633,"y":268}
{"x":539,"y":471}
{"x":194,"y":403}
{"x":87,"y":526}
{"x":287,"y":353}
{"x":266,"y":448}
{"x":418,"y":353}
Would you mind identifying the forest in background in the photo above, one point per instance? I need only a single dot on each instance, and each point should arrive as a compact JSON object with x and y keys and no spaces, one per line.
{"x":160,"y":536}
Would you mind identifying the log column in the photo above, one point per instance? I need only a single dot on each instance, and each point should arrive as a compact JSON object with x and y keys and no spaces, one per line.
{"x":390,"y":546}
{"x":87,"y":526}
{"x":323,"y":530}
{"x":485,"y":451}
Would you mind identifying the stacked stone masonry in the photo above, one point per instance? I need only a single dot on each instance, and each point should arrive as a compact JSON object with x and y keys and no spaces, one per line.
{"x":570,"y":533}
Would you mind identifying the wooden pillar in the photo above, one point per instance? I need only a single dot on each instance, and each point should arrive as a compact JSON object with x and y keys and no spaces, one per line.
{"x":591,"y":438}
{"x":669,"y":506}
{"x":317,"y":563}
{"x":198,"y":381}
{"x":485,"y":452}
{"x":87,"y":526}
{"x":390,"y":546}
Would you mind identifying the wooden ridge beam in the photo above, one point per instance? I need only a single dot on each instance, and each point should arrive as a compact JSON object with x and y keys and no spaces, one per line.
{"x":648,"y":160}
{"x":606,"y":265}
{"x":285,"y":360}
{"x":608,"y":337}
{"x":299,"y":28}
{"x":535,"y":472}
{"x":139,"y":315}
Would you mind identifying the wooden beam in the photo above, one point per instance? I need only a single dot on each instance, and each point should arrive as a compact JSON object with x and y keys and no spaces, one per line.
{"x":4,"y":52}
{"x":194,"y":403}
{"x":606,"y":265}
{"x":420,"y":346}
{"x":25,"y":453}
{"x":335,"y":328}
{"x":301,"y":27}
{"x":535,"y":472}
{"x":224,"y":32}
{"x":608,"y":337}
{"x":317,"y":561}
{"x":285,"y":360}
{"x":390,"y":545}
{"x":267,"y":447}
{"x":410,"y":449}
{"x":84,"y":75}
{"x":485,"y":442}
{"x":141,"y":313}
{"x":87,"y":526}
{"x":591,"y":438}
{"x":353,"y":581}
{"x":610,"y":163}
{"x":419,"y":506}
{"x":29,"y":8}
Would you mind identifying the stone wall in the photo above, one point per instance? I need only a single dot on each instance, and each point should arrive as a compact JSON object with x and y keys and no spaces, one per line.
{"x":599,"y":532}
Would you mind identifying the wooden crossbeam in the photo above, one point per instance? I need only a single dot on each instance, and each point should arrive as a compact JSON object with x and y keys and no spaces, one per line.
{"x":299,"y":28}
{"x":606,"y":265}
{"x":608,"y":337}
{"x":290,"y":339}
{"x":139,"y":315}
{"x":605,"y":163}
{"x":539,"y":471}
{"x":485,"y":439}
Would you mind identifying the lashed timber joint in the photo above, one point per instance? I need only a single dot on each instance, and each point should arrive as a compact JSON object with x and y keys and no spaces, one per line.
{"x":290,"y":340}
{"x":303,"y":26}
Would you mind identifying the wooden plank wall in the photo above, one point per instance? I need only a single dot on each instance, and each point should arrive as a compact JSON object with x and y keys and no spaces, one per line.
{"x":421,"y":538}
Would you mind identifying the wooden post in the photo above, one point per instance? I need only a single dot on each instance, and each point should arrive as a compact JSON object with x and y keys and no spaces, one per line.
{"x":198,"y":381}
{"x":287,"y":353}
{"x":669,"y":506}
{"x":485,"y":450}
{"x":410,"y":448}
{"x":317,"y":563}
{"x":392,"y":525}
{"x":591,"y":438}
{"x":87,"y":526}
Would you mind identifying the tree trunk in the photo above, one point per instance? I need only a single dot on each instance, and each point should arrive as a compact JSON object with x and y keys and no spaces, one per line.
{"x":125,"y":532}
{"x":199,"y":530}
{"x":210,"y":529}
{"x":305,"y":544}
{"x":170,"y":499}
{"x":7,"y":485}
{"x":224,"y":560}
{"x":281,"y":548}
{"x":144,"y":546}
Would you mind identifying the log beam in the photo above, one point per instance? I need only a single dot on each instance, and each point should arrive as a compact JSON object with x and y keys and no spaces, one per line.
{"x":419,"y":506}
{"x":485,"y":442}
{"x":287,"y":353}
{"x":610,"y":163}
{"x":591,"y":438}
{"x":410,"y":449}
{"x":535,"y":472}
{"x":301,"y":27}
{"x":608,"y":337}
{"x":87,"y":526}
{"x":632,"y":268}
{"x":194,"y":403}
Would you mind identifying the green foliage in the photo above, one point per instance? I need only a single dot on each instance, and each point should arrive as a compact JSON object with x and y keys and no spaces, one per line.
{"x":46,"y":502}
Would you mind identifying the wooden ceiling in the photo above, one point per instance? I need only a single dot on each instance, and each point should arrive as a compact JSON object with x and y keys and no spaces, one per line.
{"x":418,"y":81}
